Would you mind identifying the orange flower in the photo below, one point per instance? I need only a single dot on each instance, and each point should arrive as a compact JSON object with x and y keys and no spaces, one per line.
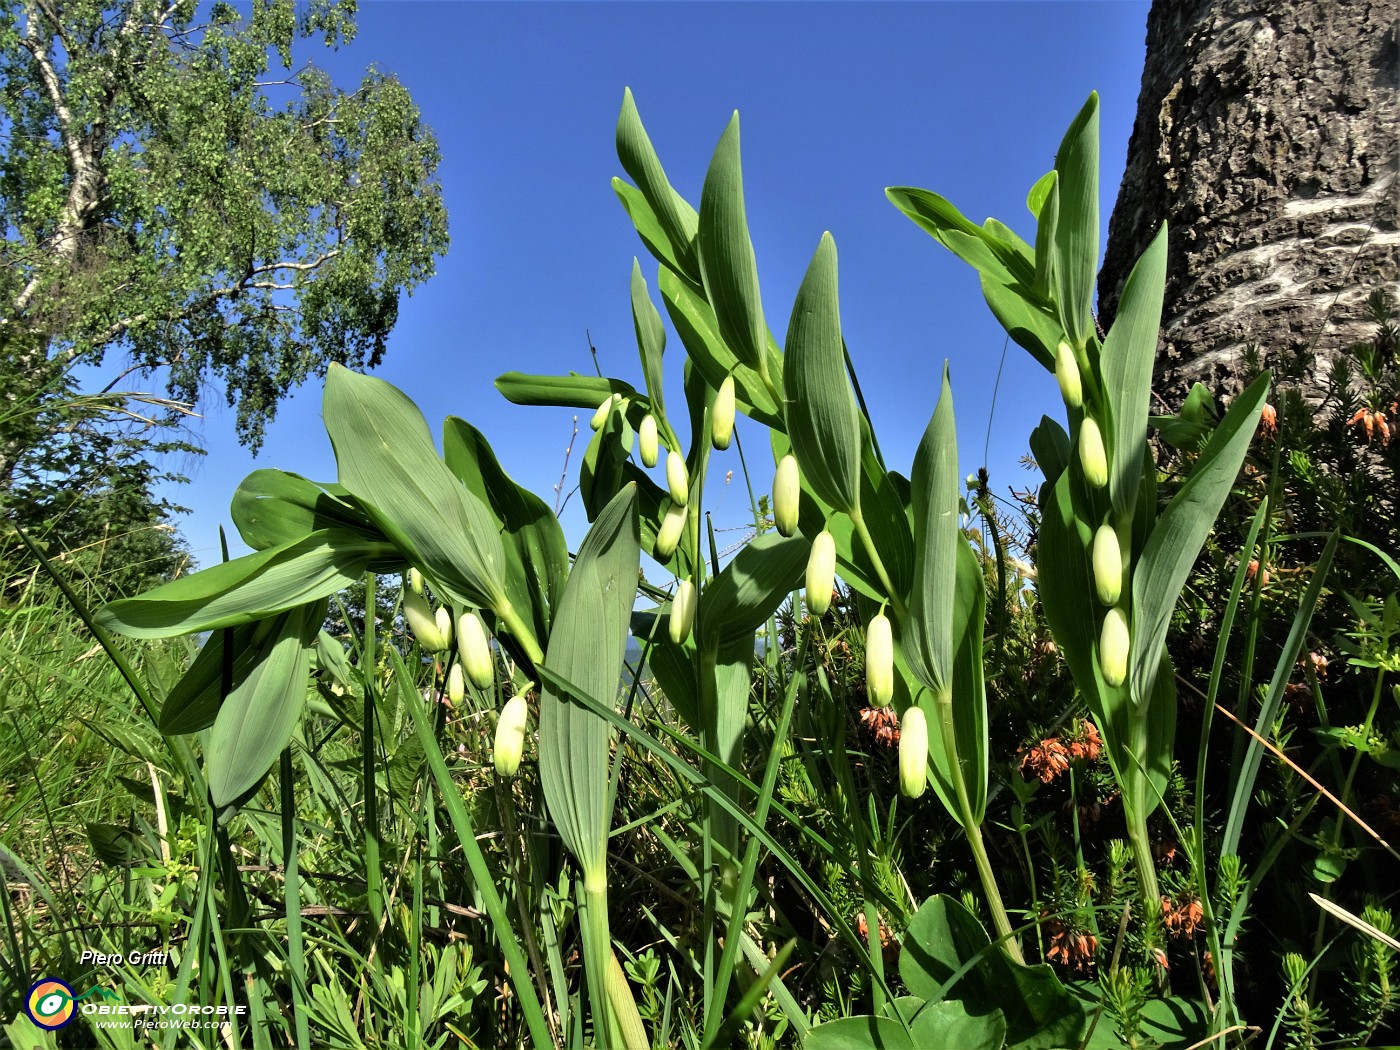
{"x":1182,"y":920}
{"x":883,"y":722}
{"x":1268,"y":419}
{"x":1371,"y":421}
{"x":1072,"y":948}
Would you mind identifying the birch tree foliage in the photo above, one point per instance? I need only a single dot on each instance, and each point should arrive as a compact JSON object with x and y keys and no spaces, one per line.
{"x":177,"y":187}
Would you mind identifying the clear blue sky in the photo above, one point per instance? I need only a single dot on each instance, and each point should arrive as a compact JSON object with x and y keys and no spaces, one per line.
{"x":837,"y":101}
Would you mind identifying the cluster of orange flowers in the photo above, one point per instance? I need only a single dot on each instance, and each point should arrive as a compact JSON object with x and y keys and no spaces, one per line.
{"x":1181,"y":920}
{"x":889,"y":947}
{"x":1372,"y":420}
{"x":1052,"y":756}
{"x":883,"y":723}
{"x":1072,"y":948}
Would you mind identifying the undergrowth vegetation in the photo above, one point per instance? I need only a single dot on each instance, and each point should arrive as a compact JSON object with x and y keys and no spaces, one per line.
{"x":1108,"y":763}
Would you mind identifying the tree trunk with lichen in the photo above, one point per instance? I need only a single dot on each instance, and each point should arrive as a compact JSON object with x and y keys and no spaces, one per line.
{"x":1268,"y":137}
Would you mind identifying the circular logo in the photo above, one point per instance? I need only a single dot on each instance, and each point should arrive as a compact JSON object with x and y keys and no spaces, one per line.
{"x":50,"y":1003}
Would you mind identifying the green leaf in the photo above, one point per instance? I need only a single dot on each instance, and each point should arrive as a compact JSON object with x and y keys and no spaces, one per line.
{"x":1076,"y":240}
{"x":604,"y":461}
{"x":648,"y":227}
{"x":934,"y":490}
{"x":735,"y":603}
{"x":1047,"y":212}
{"x":823,"y":421}
{"x":969,"y":685}
{"x":726,"y":254}
{"x":1126,"y":365}
{"x":699,"y":333}
{"x":193,"y":702}
{"x":537,"y":561}
{"x":950,"y":1024}
{"x":258,"y":718}
{"x":859,"y":1033}
{"x":112,"y":843}
{"x":943,"y":937}
{"x":675,"y":219}
{"x":570,"y":391}
{"x":1050,"y":447}
{"x":1172,"y":548}
{"x":388,"y":460}
{"x":651,"y":338}
{"x":1038,"y":194}
{"x":273,"y":507}
{"x":252,"y":587}
{"x":1032,"y":326}
{"x":586,"y":647}
{"x":1168,"y":1024}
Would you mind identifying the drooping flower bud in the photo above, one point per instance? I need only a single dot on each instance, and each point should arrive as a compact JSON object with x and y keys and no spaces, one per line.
{"x":456,"y":687}
{"x":434,"y":632}
{"x":1114,"y":646}
{"x":913,"y":752}
{"x":821,"y":573}
{"x":1092,"y":457}
{"x":1108,"y":565}
{"x":787,"y":495}
{"x":879,"y":661}
{"x":647,"y":441}
{"x":510,"y":736}
{"x":722,"y":416}
{"x":475,"y":650}
{"x":677,"y":478}
{"x":1067,"y":375}
{"x":600,"y":415}
{"x":682,"y":611}
{"x":415,"y":580}
{"x":668,"y":536}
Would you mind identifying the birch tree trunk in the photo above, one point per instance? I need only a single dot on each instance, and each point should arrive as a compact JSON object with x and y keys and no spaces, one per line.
{"x":1267,"y":136}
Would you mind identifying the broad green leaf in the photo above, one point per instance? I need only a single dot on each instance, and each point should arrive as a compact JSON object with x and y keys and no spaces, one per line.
{"x":193,"y":702}
{"x":586,"y":647}
{"x":1039,"y":193}
{"x":1050,"y":447}
{"x":859,"y":1033}
{"x":935,"y":491}
{"x":388,"y":460}
{"x":1175,"y":1023}
{"x":1047,"y":213}
{"x":252,"y":587}
{"x":537,"y":561}
{"x":258,"y":718}
{"x":951,"y":1024}
{"x":939,"y":218}
{"x":570,"y":391}
{"x":651,"y":500}
{"x":969,"y":685}
{"x":1077,"y":222}
{"x":726,"y":254}
{"x":1172,"y":548}
{"x":673,"y":665}
{"x":111,"y":844}
{"x":823,"y":421}
{"x":1126,"y":365}
{"x":648,"y":227}
{"x":699,"y":333}
{"x":1011,"y":248}
{"x":1040,"y":1012}
{"x":600,"y":476}
{"x":746,"y":592}
{"x":273,"y":507}
{"x":1033,"y":327}
{"x":651,"y":338}
{"x":674,"y":215}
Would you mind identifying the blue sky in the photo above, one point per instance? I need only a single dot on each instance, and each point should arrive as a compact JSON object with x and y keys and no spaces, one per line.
{"x":836,"y":101}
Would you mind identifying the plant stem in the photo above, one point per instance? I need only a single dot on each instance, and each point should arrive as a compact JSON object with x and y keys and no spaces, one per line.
{"x":972,"y":829}
{"x":868,"y":542}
